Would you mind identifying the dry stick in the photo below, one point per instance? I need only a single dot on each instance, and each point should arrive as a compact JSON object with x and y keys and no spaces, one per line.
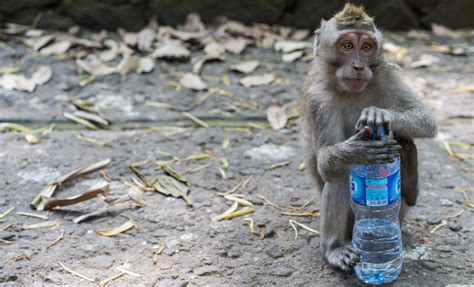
{"x":75,"y":273}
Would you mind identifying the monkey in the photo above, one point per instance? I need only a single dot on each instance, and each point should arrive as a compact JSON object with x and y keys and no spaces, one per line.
{"x":348,"y":92}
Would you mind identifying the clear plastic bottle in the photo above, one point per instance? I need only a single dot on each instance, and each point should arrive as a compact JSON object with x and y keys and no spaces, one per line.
{"x":375,"y":193}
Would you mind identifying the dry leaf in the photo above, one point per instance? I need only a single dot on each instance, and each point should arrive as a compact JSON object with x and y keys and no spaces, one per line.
{"x":171,"y":172}
{"x":277,"y":117}
{"x":92,"y":117}
{"x":243,"y":211}
{"x":130,"y":39}
{"x":168,"y":185}
{"x":245,"y":67}
{"x":293,"y":56}
{"x":260,"y":80}
{"x":192,"y":82}
{"x":60,"y":47}
{"x":31,"y":139}
{"x":145,"y":39}
{"x":17,"y":82}
{"x":42,"y":75}
{"x":5,"y":213}
{"x":50,"y":223}
{"x":464,"y":89}
{"x":92,"y":192}
{"x":80,"y":121}
{"x":145,"y":65}
{"x":290,"y":46}
{"x":171,"y":50}
{"x":193,"y":23}
{"x":95,"y":67}
{"x":425,"y":61}
{"x":128,"y":64}
{"x":214,"y":50}
{"x":235,"y":45}
{"x":300,"y":34}
{"x":111,"y":53}
{"x":442,"y":31}
{"x":117,"y":230}
{"x":38,"y":43}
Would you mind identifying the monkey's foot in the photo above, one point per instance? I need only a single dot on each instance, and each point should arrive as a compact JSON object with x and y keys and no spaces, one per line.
{"x":342,"y":257}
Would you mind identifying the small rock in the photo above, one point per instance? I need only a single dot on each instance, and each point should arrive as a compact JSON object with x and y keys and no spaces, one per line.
{"x":454,"y":225}
{"x":270,"y":152}
{"x":281,"y":271}
{"x":159,"y":233}
{"x":274,"y":251}
{"x":256,"y":201}
{"x":54,"y":277}
{"x":30,"y":234}
{"x":207,"y":270}
{"x":444,"y":248}
{"x":315,"y":242}
{"x":169,"y":251}
{"x":234,"y":252}
{"x":446,"y":202}
{"x":99,"y":262}
{"x":6,"y":235}
{"x":434,"y":219}
{"x":37,"y":284}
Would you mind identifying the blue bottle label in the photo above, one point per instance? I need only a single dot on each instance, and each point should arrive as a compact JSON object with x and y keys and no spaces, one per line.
{"x":375,"y":192}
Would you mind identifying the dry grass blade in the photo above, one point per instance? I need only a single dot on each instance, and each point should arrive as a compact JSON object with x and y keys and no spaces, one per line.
{"x":47,"y":191}
{"x":229,"y":210}
{"x":142,"y":177}
{"x":15,"y":127}
{"x":91,"y":140}
{"x":225,"y":143}
{"x":251,"y":225}
{"x":301,"y":214}
{"x":195,"y":119}
{"x":443,"y":223}
{"x":234,"y":189}
{"x":80,"y":121}
{"x":117,"y":230}
{"x":222,"y":172}
{"x":81,"y":172}
{"x":92,"y":117}
{"x":50,"y":223}
{"x":2,"y":215}
{"x":126,"y":271}
{"x":267,"y":201}
{"x":176,"y":85}
{"x":467,"y":201}
{"x":278,"y":165}
{"x":238,"y":200}
{"x":76,"y":273}
{"x":3,"y":228}
{"x":157,"y":253}
{"x":40,"y":216}
{"x":171,"y":172}
{"x":243,"y":211}
{"x":455,"y":214}
{"x":92,"y":192}
{"x":302,"y":166}
{"x":103,"y":283}
{"x":196,"y":169}
{"x":199,"y":156}
{"x":464,"y":89}
{"x":448,"y":149}
{"x":159,"y":105}
{"x":55,"y":241}
{"x":305,"y":227}
{"x":5,"y":241}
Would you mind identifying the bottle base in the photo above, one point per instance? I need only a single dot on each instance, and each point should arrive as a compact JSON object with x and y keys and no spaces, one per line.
{"x":369,"y":273}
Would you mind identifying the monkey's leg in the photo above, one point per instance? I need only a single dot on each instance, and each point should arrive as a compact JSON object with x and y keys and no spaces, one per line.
{"x":409,"y":175}
{"x":336,"y":225}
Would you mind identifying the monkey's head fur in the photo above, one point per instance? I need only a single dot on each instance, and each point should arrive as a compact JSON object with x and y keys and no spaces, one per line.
{"x":350,"y":44}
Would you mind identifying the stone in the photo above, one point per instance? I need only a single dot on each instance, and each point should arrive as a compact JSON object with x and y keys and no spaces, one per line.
{"x":5,"y":235}
{"x":99,"y":262}
{"x":281,"y":271}
{"x":234,"y":252}
{"x":274,"y":251}
{"x":434,"y":219}
{"x":315,"y":242}
{"x":54,"y":277}
{"x":270,"y":152}
{"x":29,"y":234}
{"x":454,"y":225}
{"x":207,"y":270}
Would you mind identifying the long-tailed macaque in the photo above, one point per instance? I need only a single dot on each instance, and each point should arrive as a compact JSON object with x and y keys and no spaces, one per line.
{"x":350,"y":91}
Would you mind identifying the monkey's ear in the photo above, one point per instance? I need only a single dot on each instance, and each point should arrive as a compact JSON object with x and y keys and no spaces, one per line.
{"x":316,"y":41}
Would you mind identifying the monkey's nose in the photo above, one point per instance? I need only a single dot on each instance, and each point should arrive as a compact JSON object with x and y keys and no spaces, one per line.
{"x":358,"y":68}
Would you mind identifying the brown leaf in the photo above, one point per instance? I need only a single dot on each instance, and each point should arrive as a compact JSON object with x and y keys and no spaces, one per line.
{"x":129,"y":64}
{"x":192,"y":82}
{"x":245,"y":67}
{"x":259,"y":80}
{"x":49,"y":202}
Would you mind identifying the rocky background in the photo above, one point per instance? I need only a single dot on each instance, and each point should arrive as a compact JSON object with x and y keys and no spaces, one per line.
{"x":134,"y":14}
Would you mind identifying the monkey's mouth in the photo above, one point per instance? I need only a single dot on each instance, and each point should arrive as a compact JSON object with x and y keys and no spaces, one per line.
{"x":355,"y":84}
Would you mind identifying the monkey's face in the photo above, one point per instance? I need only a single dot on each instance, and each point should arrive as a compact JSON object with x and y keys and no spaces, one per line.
{"x":355,"y":53}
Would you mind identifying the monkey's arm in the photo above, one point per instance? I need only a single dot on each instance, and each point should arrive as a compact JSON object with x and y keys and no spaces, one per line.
{"x":333,"y":160}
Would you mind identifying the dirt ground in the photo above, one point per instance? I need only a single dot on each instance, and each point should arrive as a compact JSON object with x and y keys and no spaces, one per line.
{"x":189,"y":247}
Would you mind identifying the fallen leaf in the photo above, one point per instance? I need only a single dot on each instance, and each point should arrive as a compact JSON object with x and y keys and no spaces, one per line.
{"x":31,"y":139}
{"x":145,"y":65}
{"x":111,"y":53}
{"x":76,"y":273}
{"x":128,"y":64}
{"x":290,"y":46}
{"x":214,"y":50}
{"x":95,"y":67}
{"x":260,"y":80}
{"x":40,"y":42}
{"x":90,"y":193}
{"x":80,"y":121}
{"x":235,"y":45}
{"x":60,"y":47}
{"x":171,"y":50}
{"x":443,"y":31}
{"x":464,"y":89}
{"x":103,"y":283}
{"x":168,"y":185}
{"x":277,"y":117}
{"x":117,"y":230}
{"x":130,"y":39}
{"x":171,"y":172}
{"x":245,"y":67}
{"x":291,"y":57}
{"x":50,"y":223}
{"x":92,"y":117}
{"x":5,"y":213}
{"x":17,"y":82}
{"x":42,"y":75}
{"x":192,"y":82}
{"x":425,"y":61}
{"x":300,"y":34}
{"x":145,"y":39}
{"x":278,"y":165}
{"x":243,"y":211}
{"x":195,"y":119}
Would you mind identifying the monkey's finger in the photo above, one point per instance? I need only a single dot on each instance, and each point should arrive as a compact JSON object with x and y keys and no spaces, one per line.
{"x":364,"y":133}
{"x":379,"y":118}
{"x":371,"y":117}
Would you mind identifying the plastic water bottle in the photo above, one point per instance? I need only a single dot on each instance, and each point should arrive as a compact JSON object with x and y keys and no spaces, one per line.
{"x":375,"y":193}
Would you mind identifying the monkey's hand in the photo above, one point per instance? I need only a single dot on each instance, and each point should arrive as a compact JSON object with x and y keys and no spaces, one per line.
{"x":358,"y":149}
{"x":374,"y":117}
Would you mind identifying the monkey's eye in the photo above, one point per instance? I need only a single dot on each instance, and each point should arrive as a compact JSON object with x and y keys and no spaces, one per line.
{"x":347,"y":45}
{"x":366,"y":47}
